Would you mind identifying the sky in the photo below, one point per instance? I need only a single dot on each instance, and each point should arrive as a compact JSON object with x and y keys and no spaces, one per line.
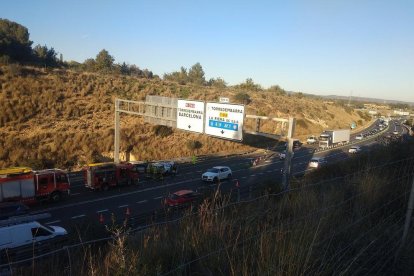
{"x":324,"y":47}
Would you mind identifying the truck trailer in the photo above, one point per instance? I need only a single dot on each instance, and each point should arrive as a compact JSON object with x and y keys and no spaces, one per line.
{"x":330,"y":138}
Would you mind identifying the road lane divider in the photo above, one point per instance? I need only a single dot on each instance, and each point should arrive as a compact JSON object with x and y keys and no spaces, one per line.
{"x":79,"y":216}
{"x":52,"y":222}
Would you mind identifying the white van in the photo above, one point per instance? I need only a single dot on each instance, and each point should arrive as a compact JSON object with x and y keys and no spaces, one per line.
{"x":15,"y":235}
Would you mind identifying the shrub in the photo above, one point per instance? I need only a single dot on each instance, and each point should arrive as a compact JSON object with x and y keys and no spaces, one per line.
{"x":243,"y":98}
{"x":162,"y":131}
{"x":194,"y":144}
{"x":302,"y":123}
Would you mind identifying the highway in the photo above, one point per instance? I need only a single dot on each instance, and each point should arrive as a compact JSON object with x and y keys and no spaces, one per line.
{"x":85,"y":205}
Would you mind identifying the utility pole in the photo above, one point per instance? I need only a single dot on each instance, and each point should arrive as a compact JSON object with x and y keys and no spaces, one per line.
{"x":289,"y":154}
{"x":116,"y":134}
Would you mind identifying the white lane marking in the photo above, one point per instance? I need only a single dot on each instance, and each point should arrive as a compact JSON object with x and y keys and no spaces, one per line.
{"x":80,"y":216}
{"x":51,"y":222}
{"x":252,"y":175}
{"x":123,"y":206}
{"x":142,"y":201}
{"x":72,"y":194}
{"x":101,"y":211}
{"x":158,"y":197}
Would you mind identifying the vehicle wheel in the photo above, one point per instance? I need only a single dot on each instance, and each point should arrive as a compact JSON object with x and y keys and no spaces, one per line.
{"x":229,"y":176}
{"x":55,"y":197}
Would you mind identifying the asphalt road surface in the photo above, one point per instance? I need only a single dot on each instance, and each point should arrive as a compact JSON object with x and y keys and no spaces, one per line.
{"x":87,"y":205}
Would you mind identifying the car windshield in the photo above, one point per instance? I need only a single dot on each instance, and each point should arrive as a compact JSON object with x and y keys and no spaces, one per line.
{"x":213,"y":170}
{"x":315,"y":160}
{"x":48,"y":228}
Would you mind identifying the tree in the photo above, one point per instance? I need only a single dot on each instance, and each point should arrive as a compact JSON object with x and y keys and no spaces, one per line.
{"x":45,"y":56}
{"x":14,"y":42}
{"x":218,"y":83}
{"x":104,"y":61}
{"x":277,"y":89}
{"x":178,"y":76}
{"x":124,"y":69}
{"x":249,"y":85}
{"x":90,"y":64}
{"x":196,"y":74}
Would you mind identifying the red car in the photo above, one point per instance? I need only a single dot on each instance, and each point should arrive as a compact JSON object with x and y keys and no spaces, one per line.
{"x":181,"y":198}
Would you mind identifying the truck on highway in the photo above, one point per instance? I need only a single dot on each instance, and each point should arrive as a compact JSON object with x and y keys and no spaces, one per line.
{"x":28,"y":186}
{"x":330,"y":138}
{"x":102,"y":176}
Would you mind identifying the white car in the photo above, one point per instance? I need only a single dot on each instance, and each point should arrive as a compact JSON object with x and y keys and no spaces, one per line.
{"x":166,"y":167}
{"x":359,"y":137}
{"x":317,"y":162}
{"x":311,"y":140}
{"x":395,"y":132}
{"x":216,"y":173}
{"x":354,"y":149}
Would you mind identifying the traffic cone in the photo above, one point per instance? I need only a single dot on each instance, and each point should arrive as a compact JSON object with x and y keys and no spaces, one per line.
{"x":127,"y":212}
{"x":101,"y":218}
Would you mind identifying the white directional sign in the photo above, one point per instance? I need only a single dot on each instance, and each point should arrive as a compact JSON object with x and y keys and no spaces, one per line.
{"x":224,"y":100}
{"x":190,"y":115}
{"x":224,"y":120}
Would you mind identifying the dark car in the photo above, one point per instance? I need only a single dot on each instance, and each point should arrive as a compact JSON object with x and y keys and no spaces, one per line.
{"x":297,"y":144}
{"x":12,"y":209}
{"x":182,"y":198}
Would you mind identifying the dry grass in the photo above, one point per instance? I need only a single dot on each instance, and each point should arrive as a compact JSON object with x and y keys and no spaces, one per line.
{"x":65,"y":119}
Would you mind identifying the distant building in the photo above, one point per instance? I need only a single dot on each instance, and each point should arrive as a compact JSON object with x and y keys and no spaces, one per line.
{"x":376,"y":106}
{"x":401,"y":113}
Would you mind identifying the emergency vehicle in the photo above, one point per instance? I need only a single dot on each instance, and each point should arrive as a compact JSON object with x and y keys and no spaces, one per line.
{"x":102,"y":176}
{"x":26,"y":185}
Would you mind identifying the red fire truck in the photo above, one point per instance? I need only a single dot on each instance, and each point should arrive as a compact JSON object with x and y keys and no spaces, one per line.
{"x":102,"y":176}
{"x":28,"y":186}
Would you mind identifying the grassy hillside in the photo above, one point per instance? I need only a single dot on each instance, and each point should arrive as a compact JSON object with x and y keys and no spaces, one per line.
{"x":65,"y":119}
